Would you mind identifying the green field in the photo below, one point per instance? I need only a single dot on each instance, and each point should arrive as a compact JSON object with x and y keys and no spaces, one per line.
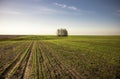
{"x":52,"y":57}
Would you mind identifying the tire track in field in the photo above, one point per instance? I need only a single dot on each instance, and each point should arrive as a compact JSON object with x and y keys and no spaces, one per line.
{"x":37,"y":63}
{"x":26,"y":60}
{"x":28,"y":69}
{"x":72,"y":71}
{"x":74,"y":74}
{"x":6,"y":51}
{"x":9,"y":68}
{"x":46,"y":63}
{"x":42,"y":61}
{"x":17,"y":71}
{"x":58,"y":73}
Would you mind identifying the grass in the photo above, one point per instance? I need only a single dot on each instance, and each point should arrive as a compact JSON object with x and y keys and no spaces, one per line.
{"x":92,"y":56}
{"x":85,"y":57}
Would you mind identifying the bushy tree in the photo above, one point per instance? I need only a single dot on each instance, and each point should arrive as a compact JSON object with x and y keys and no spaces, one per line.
{"x":62,"y":32}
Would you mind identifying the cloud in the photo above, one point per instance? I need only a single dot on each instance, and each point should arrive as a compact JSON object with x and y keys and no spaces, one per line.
{"x":43,"y":10}
{"x":72,"y":8}
{"x":75,"y":10}
{"x":61,"y":5}
{"x":66,"y":6}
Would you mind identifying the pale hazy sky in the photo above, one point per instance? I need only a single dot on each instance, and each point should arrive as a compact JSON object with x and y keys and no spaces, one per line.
{"x":79,"y":17}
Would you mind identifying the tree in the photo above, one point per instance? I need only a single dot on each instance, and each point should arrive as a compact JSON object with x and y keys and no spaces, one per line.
{"x":62,"y":32}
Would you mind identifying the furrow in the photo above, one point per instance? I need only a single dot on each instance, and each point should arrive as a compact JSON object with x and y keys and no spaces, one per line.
{"x":53,"y":68}
{"x":5,"y":73}
{"x":27,"y":74}
{"x":74,"y":74}
{"x":37,"y":63}
{"x":45,"y":64}
{"x":16,"y":72}
{"x":26,"y":61}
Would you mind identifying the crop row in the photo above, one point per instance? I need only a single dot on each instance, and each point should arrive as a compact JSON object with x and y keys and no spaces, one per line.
{"x":43,"y":64}
{"x":60,"y":70}
{"x":9,"y":54}
{"x":87,"y":61}
{"x":15,"y":69}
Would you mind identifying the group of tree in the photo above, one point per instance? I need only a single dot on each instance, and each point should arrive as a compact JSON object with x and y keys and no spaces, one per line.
{"x":62,"y":32}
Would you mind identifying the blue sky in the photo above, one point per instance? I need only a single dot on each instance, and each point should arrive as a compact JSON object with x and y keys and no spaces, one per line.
{"x":79,"y":17}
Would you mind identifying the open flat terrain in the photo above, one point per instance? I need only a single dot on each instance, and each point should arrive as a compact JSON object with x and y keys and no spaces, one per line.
{"x":52,"y":57}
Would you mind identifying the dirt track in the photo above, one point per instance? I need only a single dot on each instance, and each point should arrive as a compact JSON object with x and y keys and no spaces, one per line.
{"x":37,"y":61}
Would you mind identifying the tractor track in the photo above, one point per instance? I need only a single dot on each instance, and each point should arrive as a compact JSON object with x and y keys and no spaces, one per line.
{"x":42,"y":60}
{"x":44,"y":56}
{"x":8,"y":49}
{"x":17,"y":69}
{"x":38,"y":61}
{"x":58,"y":70}
{"x":9,"y":68}
{"x":72,"y":71}
{"x":28,"y":65}
{"x":74,"y":74}
{"x":26,"y":61}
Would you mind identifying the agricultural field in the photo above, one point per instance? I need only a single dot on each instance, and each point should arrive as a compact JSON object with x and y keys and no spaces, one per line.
{"x":52,"y":57}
